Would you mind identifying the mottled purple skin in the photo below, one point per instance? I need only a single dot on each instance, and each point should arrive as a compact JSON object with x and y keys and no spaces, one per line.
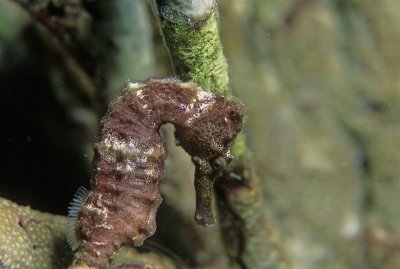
{"x":129,"y":159}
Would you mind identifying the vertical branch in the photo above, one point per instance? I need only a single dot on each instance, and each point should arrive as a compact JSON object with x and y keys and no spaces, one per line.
{"x":250,"y":239}
{"x":191,"y":32}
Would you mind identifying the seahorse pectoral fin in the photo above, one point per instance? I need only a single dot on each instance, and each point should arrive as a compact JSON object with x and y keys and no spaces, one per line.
{"x":204,"y":189}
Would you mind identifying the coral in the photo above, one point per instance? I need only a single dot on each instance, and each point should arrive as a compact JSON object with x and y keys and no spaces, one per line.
{"x":32,"y":239}
{"x":129,"y":258}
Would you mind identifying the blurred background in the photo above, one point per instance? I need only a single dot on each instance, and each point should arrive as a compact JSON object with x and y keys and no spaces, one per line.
{"x":321,"y":84}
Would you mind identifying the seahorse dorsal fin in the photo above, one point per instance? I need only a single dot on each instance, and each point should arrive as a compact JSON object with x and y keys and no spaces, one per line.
{"x":73,"y":209}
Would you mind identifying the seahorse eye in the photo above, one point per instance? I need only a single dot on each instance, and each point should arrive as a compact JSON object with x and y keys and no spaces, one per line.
{"x":218,"y":163}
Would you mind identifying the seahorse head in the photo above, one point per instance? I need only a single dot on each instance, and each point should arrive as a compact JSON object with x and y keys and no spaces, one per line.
{"x":208,"y":138}
{"x":210,"y":135}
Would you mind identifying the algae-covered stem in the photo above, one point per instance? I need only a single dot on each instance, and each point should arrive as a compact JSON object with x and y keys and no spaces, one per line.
{"x":190,"y":29}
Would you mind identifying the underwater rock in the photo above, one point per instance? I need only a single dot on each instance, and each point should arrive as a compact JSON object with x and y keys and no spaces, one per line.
{"x":32,"y":239}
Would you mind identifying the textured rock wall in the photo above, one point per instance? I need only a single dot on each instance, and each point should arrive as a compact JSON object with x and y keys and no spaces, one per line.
{"x":320,"y":82}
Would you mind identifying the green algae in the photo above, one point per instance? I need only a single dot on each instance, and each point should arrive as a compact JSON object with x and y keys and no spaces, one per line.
{"x":194,"y":45}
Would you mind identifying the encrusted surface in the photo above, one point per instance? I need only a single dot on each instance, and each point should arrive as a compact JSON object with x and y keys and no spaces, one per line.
{"x":192,"y":36}
{"x":32,"y":239}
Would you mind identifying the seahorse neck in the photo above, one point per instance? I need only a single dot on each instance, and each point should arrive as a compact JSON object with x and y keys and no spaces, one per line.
{"x":162,"y":101}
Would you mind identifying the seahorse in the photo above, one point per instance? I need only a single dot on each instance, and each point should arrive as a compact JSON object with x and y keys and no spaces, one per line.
{"x":120,"y":208}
